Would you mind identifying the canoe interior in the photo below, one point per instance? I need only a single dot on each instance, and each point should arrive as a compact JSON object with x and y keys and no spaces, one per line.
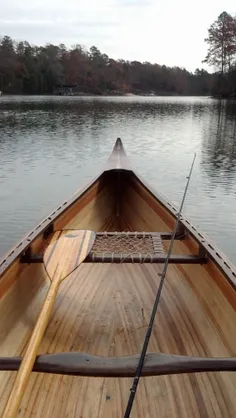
{"x":103,"y":309}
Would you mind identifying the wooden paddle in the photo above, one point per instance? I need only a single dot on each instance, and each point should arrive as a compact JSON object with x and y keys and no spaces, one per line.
{"x":66,"y":252}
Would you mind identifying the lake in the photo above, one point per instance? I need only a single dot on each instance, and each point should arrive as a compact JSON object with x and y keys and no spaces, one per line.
{"x":50,"y":146}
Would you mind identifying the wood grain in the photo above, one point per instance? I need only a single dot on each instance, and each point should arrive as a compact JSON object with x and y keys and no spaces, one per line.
{"x":84,"y":364}
{"x":104,"y":310}
{"x":65,"y":253}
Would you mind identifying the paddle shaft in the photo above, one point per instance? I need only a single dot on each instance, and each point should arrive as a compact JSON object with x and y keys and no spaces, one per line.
{"x":31,"y":353}
{"x":64,"y":254}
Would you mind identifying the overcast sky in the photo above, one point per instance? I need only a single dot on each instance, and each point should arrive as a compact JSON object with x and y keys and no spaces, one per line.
{"x":167,"y":32}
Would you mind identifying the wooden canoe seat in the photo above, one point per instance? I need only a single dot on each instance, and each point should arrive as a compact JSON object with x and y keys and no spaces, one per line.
{"x":156,"y":364}
{"x":121,"y":246}
{"x":129,"y":247}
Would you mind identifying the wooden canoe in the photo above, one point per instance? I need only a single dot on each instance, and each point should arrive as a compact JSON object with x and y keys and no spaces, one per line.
{"x":102,"y":309}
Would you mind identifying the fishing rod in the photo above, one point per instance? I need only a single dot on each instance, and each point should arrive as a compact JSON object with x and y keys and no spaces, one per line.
{"x":155,"y":306}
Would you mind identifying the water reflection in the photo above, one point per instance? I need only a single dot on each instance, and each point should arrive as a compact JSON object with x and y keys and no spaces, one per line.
{"x":49,"y":146}
{"x":219,"y":142}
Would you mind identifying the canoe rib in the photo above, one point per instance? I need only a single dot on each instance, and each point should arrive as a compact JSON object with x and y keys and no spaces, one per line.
{"x":197,"y":315}
{"x":82,"y":364}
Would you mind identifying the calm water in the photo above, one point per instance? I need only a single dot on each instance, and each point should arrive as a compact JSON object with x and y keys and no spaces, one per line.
{"x":50,"y":146}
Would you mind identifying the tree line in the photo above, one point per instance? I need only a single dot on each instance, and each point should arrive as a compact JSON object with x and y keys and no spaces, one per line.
{"x":31,"y":69}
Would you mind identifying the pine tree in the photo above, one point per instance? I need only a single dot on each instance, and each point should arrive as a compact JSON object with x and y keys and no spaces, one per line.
{"x":222,"y":42}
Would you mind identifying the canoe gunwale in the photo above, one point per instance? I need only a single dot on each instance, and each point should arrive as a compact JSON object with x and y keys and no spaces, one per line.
{"x":42,"y":228}
{"x":192,"y":238}
{"x":118,"y":161}
{"x":205,"y":245}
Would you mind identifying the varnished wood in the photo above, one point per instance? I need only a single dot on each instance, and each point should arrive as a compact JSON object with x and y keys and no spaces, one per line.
{"x":103,"y":310}
{"x":118,"y":159}
{"x":146,"y":258}
{"x":162,"y":235}
{"x":82,"y":364}
{"x":130,"y":258}
{"x":66,"y":252}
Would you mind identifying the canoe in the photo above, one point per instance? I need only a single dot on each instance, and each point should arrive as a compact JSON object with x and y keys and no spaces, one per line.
{"x":89,"y":352}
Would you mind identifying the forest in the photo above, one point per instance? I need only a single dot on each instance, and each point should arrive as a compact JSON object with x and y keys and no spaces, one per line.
{"x":31,"y":69}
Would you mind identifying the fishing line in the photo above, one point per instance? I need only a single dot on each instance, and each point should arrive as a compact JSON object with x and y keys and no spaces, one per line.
{"x":155,"y":306}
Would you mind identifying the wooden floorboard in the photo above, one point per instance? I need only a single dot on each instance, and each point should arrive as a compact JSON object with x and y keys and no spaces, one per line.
{"x":104,"y":310}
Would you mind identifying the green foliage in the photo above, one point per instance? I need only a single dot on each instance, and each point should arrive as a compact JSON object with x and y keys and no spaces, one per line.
{"x":222,"y":55}
{"x":30,"y":69}
{"x":222,"y":42}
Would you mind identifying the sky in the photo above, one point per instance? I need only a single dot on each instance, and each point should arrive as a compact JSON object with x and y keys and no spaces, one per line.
{"x":169,"y":32}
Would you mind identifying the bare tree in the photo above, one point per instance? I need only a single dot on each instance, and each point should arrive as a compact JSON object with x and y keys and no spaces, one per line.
{"x":222,"y":42}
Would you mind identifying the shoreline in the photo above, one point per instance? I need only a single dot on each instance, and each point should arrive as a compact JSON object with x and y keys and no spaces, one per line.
{"x":108,"y":95}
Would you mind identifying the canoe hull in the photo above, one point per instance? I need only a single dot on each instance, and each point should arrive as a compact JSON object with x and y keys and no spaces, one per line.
{"x":103,"y":310}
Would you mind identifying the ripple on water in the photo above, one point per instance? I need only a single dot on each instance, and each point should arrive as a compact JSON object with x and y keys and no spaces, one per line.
{"x":50,"y":146}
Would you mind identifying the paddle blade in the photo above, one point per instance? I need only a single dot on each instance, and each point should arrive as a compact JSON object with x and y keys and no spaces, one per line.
{"x":66,"y":251}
